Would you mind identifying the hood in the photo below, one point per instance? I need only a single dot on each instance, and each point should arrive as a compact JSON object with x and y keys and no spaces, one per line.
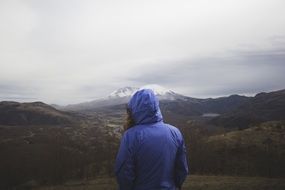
{"x":144,"y":107}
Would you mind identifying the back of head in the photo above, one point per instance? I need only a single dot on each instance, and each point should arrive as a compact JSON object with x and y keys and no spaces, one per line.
{"x":144,"y":107}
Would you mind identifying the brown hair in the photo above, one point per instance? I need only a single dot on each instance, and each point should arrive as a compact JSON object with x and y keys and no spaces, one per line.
{"x":129,"y":120}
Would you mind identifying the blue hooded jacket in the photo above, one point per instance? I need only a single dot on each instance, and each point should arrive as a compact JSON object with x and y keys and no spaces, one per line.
{"x":152,"y":154}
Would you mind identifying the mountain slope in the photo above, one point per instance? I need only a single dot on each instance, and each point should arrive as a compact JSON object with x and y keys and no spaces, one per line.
{"x":258,"y":150}
{"x":35,"y":113}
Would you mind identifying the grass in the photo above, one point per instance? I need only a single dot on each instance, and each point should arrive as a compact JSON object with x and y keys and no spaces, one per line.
{"x":193,"y":182}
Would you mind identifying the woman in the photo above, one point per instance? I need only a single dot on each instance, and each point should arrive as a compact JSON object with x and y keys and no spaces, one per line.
{"x":152,"y":154}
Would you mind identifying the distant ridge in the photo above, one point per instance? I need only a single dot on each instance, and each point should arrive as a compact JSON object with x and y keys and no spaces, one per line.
{"x":260,"y":108}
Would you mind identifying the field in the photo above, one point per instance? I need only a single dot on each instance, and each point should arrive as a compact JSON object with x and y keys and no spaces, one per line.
{"x":194,"y":182}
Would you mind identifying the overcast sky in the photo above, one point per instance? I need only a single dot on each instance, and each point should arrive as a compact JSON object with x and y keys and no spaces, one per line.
{"x":69,"y":51}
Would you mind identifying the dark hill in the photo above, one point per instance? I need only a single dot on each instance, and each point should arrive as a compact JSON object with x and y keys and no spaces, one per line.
{"x":261,"y":108}
{"x":34,"y":113}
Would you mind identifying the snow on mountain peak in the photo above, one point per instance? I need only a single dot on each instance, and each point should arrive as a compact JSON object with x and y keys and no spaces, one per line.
{"x":123,"y":92}
{"x":157,"y":89}
{"x":161,"y":92}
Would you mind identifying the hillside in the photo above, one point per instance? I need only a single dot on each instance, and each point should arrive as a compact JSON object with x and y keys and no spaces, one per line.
{"x":268,"y":133}
{"x":34,"y":113}
{"x":256,"y":150}
{"x":39,"y":143}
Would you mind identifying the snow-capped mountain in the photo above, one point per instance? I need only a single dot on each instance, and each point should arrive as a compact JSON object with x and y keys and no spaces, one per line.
{"x":161,"y":92}
{"x":122,"y":96}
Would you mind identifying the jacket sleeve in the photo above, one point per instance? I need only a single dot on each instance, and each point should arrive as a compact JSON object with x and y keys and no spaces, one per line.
{"x":124,"y":167}
{"x":181,"y":166}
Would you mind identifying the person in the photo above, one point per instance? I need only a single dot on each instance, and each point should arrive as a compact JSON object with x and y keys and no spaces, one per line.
{"x":152,"y":154}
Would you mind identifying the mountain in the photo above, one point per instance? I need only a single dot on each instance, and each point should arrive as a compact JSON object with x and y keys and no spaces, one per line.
{"x":35,"y":113}
{"x":231,"y":112}
{"x":175,"y":107}
{"x":122,"y":96}
{"x":260,"y":108}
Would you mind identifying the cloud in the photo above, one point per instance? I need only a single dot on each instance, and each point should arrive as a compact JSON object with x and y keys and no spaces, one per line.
{"x":12,"y":91}
{"x":70,"y":51}
{"x":245,"y":72}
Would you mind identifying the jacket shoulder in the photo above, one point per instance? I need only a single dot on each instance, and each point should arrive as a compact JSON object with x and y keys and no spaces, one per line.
{"x":132,"y":134}
{"x":173,"y":128}
{"x":175,"y":132}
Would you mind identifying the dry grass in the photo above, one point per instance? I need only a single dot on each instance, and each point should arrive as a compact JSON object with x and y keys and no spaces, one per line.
{"x":233,"y":183}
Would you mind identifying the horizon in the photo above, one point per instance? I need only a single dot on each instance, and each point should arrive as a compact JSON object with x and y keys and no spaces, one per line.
{"x":64,"y":52}
{"x":90,"y":100}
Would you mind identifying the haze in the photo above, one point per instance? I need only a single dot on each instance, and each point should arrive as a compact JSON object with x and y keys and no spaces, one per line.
{"x":70,"y":51}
